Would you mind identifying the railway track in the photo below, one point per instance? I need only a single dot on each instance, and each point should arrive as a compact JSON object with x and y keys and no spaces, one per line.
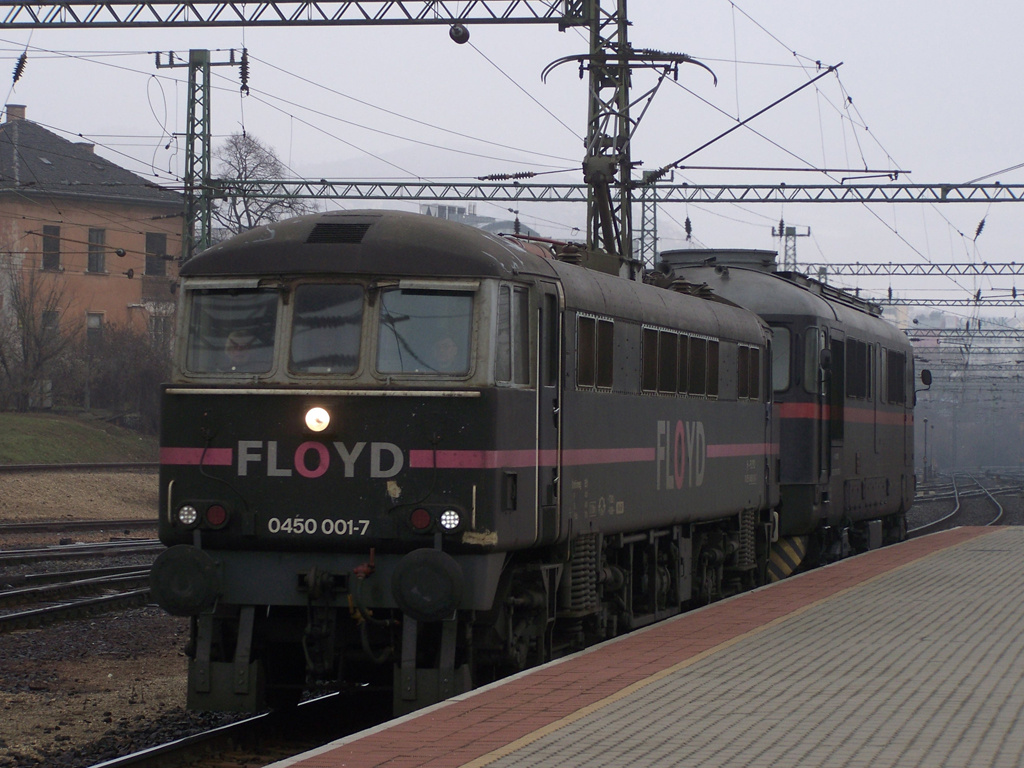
{"x":134,"y":466}
{"x":265,"y":738}
{"x":969,"y":498}
{"x":11,"y":557}
{"x":71,"y":526}
{"x":58,"y":595}
{"x":78,"y":609}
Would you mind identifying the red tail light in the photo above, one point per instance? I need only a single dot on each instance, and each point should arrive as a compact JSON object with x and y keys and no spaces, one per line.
{"x":216,"y":516}
{"x":420,"y":519}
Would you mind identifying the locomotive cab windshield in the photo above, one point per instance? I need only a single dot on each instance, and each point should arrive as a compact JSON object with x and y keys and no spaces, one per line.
{"x":370,"y":333}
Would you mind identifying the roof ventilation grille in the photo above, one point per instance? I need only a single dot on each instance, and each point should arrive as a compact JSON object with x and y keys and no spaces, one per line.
{"x":339,"y":232}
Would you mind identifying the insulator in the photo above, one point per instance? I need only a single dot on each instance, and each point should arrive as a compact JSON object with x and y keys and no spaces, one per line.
{"x":981,"y":226}
{"x":243,"y":71}
{"x":507,"y":176}
{"x":19,"y":68}
{"x":688,"y":226}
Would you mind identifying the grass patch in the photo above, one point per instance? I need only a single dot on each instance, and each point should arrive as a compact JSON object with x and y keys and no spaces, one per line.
{"x":51,"y":439}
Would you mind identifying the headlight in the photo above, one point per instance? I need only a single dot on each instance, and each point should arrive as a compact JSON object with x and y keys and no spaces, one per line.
{"x":450,"y":519}
{"x":188,"y":515}
{"x":317,"y":419}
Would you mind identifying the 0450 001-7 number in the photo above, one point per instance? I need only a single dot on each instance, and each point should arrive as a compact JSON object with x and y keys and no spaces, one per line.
{"x":310,"y":526}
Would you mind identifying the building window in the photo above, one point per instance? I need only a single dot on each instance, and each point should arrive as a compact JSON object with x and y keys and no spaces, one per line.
{"x":93,"y":329}
{"x":97,"y":250}
{"x":156,"y":249}
{"x":51,"y":247}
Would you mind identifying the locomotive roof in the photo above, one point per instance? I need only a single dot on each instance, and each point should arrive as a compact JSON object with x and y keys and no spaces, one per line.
{"x":773,"y":295}
{"x":377,"y":243}
{"x":366,"y":242}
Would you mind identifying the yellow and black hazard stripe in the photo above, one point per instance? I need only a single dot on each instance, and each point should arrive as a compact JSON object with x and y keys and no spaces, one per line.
{"x":787,"y":553}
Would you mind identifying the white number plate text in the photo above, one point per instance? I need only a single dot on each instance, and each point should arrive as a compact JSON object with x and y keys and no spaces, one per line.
{"x":310,"y":526}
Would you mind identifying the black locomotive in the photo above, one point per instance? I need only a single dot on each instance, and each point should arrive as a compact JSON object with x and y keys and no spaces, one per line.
{"x":399,"y":451}
{"x":843,"y":386}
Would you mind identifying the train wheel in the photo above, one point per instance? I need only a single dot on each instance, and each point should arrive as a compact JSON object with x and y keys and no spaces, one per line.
{"x":785,"y":557}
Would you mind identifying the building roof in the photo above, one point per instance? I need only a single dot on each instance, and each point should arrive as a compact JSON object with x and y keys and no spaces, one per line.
{"x":35,"y":162}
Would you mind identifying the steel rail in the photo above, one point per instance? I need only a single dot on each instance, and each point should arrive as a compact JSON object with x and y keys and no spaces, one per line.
{"x":133,"y":580}
{"x":116,"y":466}
{"x":105,"y":549}
{"x":44,"y":526}
{"x":310,"y":724}
{"x":56,"y":577}
{"x":39,"y":617}
{"x":992,"y":498}
{"x":933,"y":523}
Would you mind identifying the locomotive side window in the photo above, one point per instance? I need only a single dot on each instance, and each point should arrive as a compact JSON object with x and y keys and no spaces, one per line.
{"x":812,"y":360}
{"x":605,"y":353}
{"x":424,"y":331}
{"x":684,"y":363}
{"x":586,"y":351}
{"x":594,"y":352}
{"x":743,"y":372}
{"x":858,"y":370}
{"x":676,"y":363}
{"x":326,"y":328}
{"x":748,"y":373}
{"x":698,"y":366}
{"x":668,"y":345}
{"x":755,"y":373}
{"x":780,"y":358}
{"x":649,"y":358}
{"x":512,"y":345}
{"x":896,"y":377}
{"x":712,"y":369}
{"x":231,"y":331}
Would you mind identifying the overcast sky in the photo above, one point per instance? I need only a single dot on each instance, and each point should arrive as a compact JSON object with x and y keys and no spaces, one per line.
{"x":934,"y":86}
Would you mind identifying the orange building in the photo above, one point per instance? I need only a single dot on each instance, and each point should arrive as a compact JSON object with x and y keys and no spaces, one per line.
{"x":104,"y":237}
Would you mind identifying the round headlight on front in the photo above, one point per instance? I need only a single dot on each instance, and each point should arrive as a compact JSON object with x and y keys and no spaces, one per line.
{"x":450,"y":519}
{"x":188,"y":515}
{"x":317,"y":419}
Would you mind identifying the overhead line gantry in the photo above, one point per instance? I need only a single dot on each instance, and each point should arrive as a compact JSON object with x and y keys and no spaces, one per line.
{"x":610,"y":62}
{"x":119,"y":14}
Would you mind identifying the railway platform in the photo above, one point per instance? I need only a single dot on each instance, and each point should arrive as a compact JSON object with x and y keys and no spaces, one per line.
{"x":910,"y":656}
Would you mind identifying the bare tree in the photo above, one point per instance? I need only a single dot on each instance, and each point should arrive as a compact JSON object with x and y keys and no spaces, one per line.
{"x":122,"y":369}
{"x":31,"y":338}
{"x":245,"y":157}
